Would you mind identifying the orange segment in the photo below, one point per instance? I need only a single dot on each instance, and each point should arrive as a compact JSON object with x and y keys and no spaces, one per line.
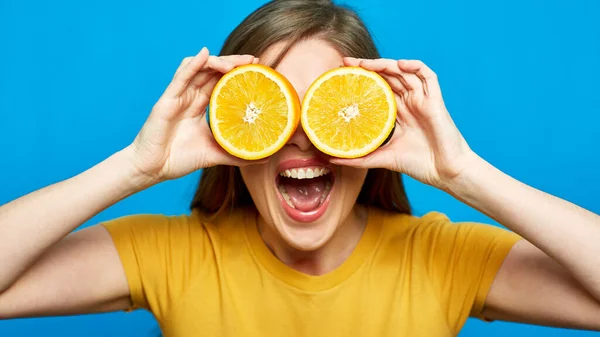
{"x":348,"y":112}
{"x":253,"y":111}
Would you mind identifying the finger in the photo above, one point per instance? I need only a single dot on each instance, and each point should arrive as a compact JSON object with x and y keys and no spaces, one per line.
{"x":380,"y":65}
{"x":256,"y":60}
{"x":390,"y":67}
{"x":198,"y":106}
{"x":219,"y":64}
{"x":239,"y":60}
{"x":375,"y":159}
{"x":396,"y":84}
{"x":216,"y":64}
{"x":187,"y":72}
{"x":351,"y":61}
{"x":404,"y":117}
{"x":183,"y":63}
{"x":428,"y":77}
{"x":401,"y":82}
{"x":206,"y":80}
{"x":411,"y":82}
{"x":213,"y":66}
{"x":201,"y":80}
{"x":377,"y":65}
{"x":387,"y":66}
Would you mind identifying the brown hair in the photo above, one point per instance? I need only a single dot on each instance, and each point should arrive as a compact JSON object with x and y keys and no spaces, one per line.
{"x":221,"y":188}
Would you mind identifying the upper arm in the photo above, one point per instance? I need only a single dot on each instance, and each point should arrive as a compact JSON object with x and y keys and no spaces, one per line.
{"x":80,"y":274}
{"x":532,"y":288}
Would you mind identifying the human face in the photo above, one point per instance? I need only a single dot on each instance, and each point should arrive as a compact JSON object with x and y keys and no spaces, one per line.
{"x":316,"y":208}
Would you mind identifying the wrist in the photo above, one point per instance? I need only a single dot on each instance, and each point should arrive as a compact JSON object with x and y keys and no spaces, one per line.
{"x":133,"y":179}
{"x":469,"y":179}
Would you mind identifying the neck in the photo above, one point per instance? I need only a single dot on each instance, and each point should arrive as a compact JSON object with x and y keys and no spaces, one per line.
{"x":327,"y":257}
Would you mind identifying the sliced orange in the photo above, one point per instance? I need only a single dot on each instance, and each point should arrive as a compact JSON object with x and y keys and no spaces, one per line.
{"x":253,"y":111}
{"x":348,"y":112}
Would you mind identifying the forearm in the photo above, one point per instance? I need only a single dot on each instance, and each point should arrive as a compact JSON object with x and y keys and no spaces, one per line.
{"x":564,"y":231}
{"x":31,"y":224}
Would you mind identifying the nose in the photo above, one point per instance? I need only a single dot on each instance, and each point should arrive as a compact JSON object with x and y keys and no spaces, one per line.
{"x":300,"y":139}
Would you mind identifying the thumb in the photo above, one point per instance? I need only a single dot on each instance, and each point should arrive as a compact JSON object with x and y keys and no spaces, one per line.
{"x":375,"y":159}
{"x":222,"y":157}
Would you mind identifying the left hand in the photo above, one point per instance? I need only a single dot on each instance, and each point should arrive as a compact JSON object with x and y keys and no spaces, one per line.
{"x":426,"y":144}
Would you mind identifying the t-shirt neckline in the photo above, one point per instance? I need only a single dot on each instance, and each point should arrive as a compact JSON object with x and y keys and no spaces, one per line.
{"x":363,"y":250}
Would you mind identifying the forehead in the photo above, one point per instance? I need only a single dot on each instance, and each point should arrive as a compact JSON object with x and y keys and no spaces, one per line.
{"x":304,"y":62}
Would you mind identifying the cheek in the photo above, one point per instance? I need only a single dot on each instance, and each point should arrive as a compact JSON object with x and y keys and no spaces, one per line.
{"x":353,"y":180}
{"x":255,"y":178}
{"x":252,"y":176}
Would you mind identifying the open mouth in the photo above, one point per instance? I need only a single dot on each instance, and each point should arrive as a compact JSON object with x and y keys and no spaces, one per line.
{"x":304,"y":191}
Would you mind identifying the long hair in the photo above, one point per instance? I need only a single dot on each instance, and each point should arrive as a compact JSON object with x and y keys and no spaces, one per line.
{"x":221,"y":188}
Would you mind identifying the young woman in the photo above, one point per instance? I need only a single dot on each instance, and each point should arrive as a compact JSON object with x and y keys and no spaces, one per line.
{"x":343,"y":258}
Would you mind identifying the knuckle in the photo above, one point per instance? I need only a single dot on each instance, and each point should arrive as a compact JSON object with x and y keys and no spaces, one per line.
{"x":212,"y":61}
{"x":183,"y":63}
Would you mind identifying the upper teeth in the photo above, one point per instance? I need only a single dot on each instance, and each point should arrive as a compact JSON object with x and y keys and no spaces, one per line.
{"x":305,"y":173}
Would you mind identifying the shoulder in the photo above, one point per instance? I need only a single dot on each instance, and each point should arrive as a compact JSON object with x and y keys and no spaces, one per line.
{"x":437,"y":229}
{"x":161,"y":227}
{"x":151,"y":223}
{"x":397,"y":224}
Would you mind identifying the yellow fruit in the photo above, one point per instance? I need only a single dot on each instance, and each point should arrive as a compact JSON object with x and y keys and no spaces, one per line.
{"x":348,"y":112}
{"x":253,"y":111}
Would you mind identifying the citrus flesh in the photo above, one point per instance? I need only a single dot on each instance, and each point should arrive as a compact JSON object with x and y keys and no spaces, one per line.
{"x":348,"y":112}
{"x":253,"y":111}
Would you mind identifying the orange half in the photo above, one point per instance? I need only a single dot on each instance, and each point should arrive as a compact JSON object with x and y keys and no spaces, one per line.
{"x":253,"y":111}
{"x":348,"y":112}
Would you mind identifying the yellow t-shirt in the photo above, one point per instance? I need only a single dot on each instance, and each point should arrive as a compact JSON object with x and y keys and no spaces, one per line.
{"x":408,"y":276}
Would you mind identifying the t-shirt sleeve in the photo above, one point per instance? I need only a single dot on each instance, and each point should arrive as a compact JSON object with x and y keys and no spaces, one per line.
{"x":462,"y":260}
{"x":160,"y":256}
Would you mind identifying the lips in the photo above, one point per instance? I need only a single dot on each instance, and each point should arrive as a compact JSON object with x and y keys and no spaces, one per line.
{"x":304,"y":187}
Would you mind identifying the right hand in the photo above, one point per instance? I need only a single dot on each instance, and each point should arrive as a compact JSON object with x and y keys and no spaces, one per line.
{"x":176,"y":139}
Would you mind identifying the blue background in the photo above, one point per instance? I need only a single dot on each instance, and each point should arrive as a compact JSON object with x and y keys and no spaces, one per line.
{"x":78,"y":78}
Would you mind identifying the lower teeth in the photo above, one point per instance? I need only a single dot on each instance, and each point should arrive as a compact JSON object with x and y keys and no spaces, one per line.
{"x":286,"y":197}
{"x":326,"y":193}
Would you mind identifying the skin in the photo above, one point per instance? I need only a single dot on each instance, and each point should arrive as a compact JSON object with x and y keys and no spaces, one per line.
{"x":313,"y":248}
{"x":551,"y":278}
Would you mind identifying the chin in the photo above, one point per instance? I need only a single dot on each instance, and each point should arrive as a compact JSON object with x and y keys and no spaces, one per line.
{"x":307,"y":236}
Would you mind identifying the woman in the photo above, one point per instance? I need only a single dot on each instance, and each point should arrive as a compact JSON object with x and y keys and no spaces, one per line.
{"x":344,"y":257}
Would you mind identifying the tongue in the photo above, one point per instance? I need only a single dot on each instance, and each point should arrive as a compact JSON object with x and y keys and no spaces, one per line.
{"x":305,"y":194}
